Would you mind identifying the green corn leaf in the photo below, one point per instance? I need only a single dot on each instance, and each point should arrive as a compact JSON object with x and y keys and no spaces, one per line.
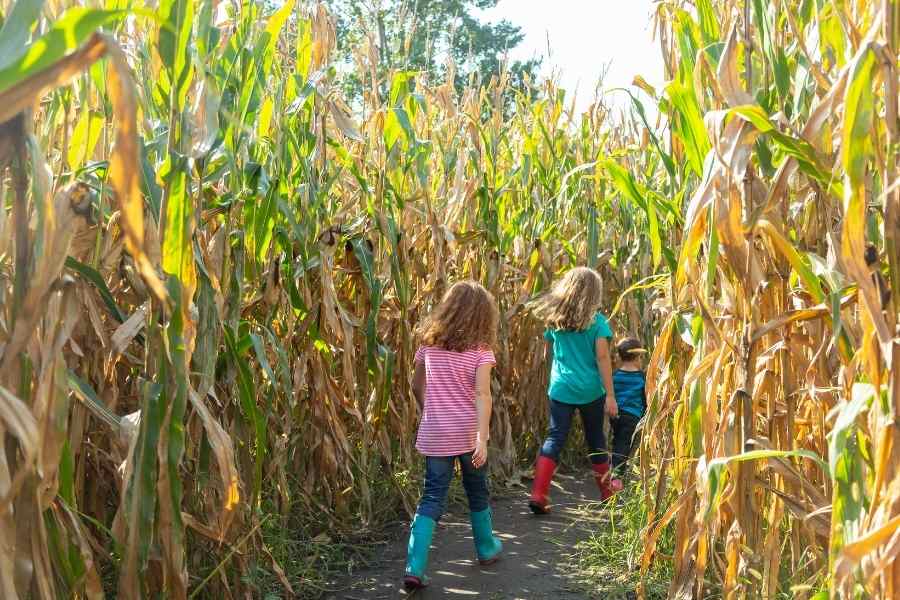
{"x":847,"y":469}
{"x":695,"y":408}
{"x":401,"y":86}
{"x":625,"y":183}
{"x":798,"y":148}
{"x":666,"y":157}
{"x":687,"y":35}
{"x":84,"y":138}
{"x":247,"y":395}
{"x":859,"y":109}
{"x":688,"y":124}
{"x":304,"y":48}
{"x":141,"y":493}
{"x":94,"y":277}
{"x":67,"y":475}
{"x":174,"y":44}
{"x":177,"y":248}
{"x":260,"y":351}
{"x":263,"y":223}
{"x":709,"y":24}
{"x":65,"y":35}
{"x":172,"y":445}
{"x":798,"y":262}
{"x":203,"y":360}
{"x":282,"y":367}
{"x":655,"y":238}
{"x":17,"y":29}
{"x":84,"y":392}
{"x":273,"y":31}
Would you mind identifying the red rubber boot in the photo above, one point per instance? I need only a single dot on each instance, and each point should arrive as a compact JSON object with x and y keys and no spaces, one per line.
{"x":604,"y":480}
{"x":543,"y":473}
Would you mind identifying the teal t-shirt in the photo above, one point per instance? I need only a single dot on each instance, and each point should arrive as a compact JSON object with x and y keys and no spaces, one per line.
{"x":574,"y":378}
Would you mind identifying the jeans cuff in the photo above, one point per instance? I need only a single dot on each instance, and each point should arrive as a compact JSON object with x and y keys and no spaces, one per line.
{"x":432,"y":513}
{"x":550,"y":455}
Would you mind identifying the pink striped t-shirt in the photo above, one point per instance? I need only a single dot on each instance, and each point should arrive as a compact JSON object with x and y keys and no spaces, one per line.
{"x":449,"y":425}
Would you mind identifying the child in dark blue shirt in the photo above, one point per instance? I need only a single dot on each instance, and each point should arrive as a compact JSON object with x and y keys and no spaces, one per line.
{"x":629,"y":385}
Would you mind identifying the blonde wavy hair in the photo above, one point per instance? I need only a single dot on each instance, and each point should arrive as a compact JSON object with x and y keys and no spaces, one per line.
{"x":465,"y":319}
{"x":574,"y":302}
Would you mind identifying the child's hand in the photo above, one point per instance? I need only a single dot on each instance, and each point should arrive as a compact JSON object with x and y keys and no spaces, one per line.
{"x":612,"y":408}
{"x":479,"y":456}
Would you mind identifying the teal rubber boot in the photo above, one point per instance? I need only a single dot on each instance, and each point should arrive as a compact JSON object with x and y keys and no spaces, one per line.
{"x":420,"y":534}
{"x":487,"y":545}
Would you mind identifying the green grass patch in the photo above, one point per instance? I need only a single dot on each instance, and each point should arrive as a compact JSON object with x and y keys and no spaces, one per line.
{"x":608,"y":562}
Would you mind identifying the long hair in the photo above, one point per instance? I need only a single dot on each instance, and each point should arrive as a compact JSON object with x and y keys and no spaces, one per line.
{"x":574,"y":301}
{"x":465,"y":319}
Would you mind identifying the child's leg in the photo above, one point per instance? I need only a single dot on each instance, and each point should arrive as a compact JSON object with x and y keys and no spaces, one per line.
{"x":623,"y":434}
{"x":592,"y":415}
{"x":487,"y":546}
{"x":560,"y":424}
{"x":475,"y":484}
{"x":438,"y":473}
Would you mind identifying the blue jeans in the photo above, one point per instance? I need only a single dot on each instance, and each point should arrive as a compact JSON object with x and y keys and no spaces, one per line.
{"x":439,"y":473}
{"x":561,"y":415}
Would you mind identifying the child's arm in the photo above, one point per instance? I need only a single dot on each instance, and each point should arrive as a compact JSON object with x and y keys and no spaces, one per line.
{"x":418,"y":383}
{"x":604,"y":365}
{"x":483,"y":403}
{"x":644,"y":392}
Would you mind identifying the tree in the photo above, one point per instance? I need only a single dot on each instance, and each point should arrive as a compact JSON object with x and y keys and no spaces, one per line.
{"x":421,"y":35}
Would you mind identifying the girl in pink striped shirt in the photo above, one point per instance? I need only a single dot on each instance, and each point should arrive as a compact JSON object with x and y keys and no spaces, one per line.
{"x":452,"y":383}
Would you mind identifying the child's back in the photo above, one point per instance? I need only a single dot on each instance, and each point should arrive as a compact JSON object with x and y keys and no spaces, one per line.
{"x":629,"y":386}
{"x":449,"y":424}
{"x":574,"y":376}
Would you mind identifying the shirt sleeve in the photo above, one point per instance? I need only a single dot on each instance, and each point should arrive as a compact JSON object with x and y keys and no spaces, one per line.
{"x":420,"y":355}
{"x":486,"y":357}
{"x":602,"y":328}
{"x":548,"y":335}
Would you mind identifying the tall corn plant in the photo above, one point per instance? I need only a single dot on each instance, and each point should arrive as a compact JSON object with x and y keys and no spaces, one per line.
{"x":770,"y":445}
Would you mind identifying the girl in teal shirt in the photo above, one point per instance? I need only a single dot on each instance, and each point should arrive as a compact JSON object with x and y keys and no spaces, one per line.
{"x":580,"y":378}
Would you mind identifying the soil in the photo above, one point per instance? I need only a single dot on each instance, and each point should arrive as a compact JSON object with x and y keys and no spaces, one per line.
{"x":537,"y":552}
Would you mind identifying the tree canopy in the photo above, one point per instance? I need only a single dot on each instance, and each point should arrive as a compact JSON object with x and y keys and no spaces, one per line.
{"x":427,"y":36}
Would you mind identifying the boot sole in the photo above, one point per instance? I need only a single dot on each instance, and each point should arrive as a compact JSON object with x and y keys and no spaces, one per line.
{"x":412,"y":583}
{"x":538,"y":509}
{"x":488,"y":562}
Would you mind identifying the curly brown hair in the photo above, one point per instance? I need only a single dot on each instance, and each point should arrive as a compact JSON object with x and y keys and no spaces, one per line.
{"x":465,"y":319}
{"x":574,"y":301}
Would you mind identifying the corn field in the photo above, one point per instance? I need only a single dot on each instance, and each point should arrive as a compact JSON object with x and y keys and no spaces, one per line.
{"x":211,"y":266}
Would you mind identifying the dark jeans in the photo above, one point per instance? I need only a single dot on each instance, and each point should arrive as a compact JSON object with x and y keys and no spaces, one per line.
{"x":561,"y":422}
{"x":439,"y":473}
{"x":623,"y":437}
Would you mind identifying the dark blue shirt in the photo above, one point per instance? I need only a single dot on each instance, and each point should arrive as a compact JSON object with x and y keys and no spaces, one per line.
{"x":630,"y":394}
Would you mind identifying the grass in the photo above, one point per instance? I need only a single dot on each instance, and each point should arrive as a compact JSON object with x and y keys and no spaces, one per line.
{"x":608,"y":562}
{"x":312,"y":552}
{"x":311,"y":560}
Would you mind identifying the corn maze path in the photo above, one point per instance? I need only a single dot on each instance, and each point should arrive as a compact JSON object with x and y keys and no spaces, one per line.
{"x":537,"y":552}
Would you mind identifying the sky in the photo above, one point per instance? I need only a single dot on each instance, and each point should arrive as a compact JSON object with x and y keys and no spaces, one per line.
{"x":585,"y":37}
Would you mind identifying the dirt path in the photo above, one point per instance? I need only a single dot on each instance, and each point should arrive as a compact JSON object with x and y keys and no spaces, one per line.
{"x":537,"y":551}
